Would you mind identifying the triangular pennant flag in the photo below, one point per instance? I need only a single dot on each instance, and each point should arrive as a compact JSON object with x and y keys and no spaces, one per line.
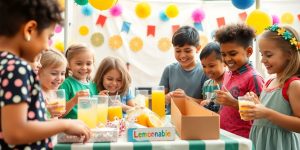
{"x":299,"y":17}
{"x":101,"y":20}
{"x":243,"y":16}
{"x":151,"y":30}
{"x":175,"y":28}
{"x":125,"y":27}
{"x":221,"y":21}
{"x":198,"y":26}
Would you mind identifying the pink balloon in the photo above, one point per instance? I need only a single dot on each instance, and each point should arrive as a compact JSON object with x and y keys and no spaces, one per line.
{"x":116,"y":10}
{"x":57,"y":29}
{"x":198,"y":15}
{"x":275,"y":19}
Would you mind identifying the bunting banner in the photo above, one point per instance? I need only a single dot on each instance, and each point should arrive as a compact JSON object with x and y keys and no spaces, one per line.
{"x":221,"y":21}
{"x":243,"y":16}
{"x":299,"y":17}
{"x":125,"y":27}
{"x":101,"y":20}
{"x":151,"y":30}
{"x":175,"y":28}
{"x":198,"y":26}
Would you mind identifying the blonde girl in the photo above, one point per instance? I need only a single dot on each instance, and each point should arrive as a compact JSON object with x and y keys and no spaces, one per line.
{"x":77,"y":84}
{"x":112,"y":78}
{"x":24,"y":33}
{"x":277,"y":115}
{"x":52,"y":74}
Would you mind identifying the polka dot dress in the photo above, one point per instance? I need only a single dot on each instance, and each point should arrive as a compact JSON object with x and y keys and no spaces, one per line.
{"x":18,"y":84}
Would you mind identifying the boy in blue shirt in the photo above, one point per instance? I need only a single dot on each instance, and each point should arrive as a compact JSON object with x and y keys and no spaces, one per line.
{"x":186,"y":74}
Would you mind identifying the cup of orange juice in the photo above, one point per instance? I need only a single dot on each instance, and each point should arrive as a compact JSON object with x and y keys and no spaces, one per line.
{"x":158,"y":100}
{"x":244,"y":100}
{"x":115,"y":108}
{"x":87,"y":111}
{"x":102,"y":109}
{"x":57,"y":97}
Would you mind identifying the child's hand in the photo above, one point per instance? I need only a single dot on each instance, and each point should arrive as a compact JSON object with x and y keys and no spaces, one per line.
{"x":82,"y":93}
{"x":254,"y":97}
{"x":54,"y":109}
{"x":78,"y":128}
{"x":256,"y":111}
{"x":178,"y":93}
{"x":104,"y":92}
{"x":225,"y":98}
{"x":204,"y":102}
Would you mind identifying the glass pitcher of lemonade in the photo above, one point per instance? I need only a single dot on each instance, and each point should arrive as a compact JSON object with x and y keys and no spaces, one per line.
{"x":87,"y":111}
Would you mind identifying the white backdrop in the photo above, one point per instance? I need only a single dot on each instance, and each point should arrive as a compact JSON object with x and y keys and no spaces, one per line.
{"x":146,"y":65}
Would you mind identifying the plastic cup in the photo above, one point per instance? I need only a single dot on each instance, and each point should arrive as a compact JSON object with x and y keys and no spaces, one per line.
{"x":244,"y":100}
{"x":115,"y":108}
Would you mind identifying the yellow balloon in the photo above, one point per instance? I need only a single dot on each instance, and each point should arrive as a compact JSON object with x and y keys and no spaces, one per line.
{"x":143,"y":10}
{"x":83,"y":30}
{"x":287,"y":18}
{"x":258,"y":20}
{"x":59,"y":46}
{"x":103,"y":4}
{"x":172,"y":11}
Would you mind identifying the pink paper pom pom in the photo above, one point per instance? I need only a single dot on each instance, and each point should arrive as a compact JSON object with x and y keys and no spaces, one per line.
{"x":198,"y":15}
{"x":116,"y":10}
{"x":275,"y":19}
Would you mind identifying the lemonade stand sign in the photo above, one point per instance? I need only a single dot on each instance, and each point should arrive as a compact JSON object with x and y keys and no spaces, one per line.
{"x":151,"y":134}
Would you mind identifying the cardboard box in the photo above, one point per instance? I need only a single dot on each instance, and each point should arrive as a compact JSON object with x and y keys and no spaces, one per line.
{"x":151,"y":134}
{"x":193,"y":121}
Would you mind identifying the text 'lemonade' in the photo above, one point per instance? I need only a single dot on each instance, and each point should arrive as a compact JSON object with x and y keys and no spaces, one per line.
{"x":244,"y":100}
{"x":158,"y":101}
{"x":87,"y":111}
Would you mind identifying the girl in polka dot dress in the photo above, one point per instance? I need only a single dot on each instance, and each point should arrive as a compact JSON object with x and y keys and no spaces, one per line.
{"x":25,"y":28}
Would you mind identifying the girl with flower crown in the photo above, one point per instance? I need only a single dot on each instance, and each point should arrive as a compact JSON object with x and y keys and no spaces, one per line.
{"x":277,"y":114}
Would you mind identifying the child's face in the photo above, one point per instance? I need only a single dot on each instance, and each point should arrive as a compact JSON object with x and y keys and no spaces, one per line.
{"x":212,"y":67}
{"x":272,"y":57}
{"x":112,"y":81}
{"x":38,"y":42}
{"x":52,"y":77}
{"x":185,"y":55}
{"x":235,"y":55}
{"x":81,"y":65}
{"x":36,"y":64}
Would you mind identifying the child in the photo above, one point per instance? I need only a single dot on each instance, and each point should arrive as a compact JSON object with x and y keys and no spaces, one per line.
{"x":214,"y":68}
{"x":236,"y":47}
{"x":24,"y":33}
{"x":36,"y":64}
{"x":77,"y":84}
{"x":278,"y":114}
{"x":186,"y":74}
{"x":112,"y":78}
{"x":52,"y":74}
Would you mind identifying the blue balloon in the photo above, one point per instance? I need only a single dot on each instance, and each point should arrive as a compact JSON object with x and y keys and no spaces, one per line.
{"x":163,"y":16}
{"x":243,"y":4}
{"x":87,"y":10}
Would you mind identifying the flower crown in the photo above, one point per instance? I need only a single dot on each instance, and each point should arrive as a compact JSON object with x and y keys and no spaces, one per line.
{"x":285,"y":34}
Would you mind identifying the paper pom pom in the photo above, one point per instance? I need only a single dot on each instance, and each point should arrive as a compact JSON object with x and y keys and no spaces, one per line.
{"x":242,"y":4}
{"x":172,"y":11}
{"x":81,"y":2}
{"x":163,"y":16}
{"x":83,"y":30}
{"x":116,"y":10}
{"x":198,"y":15}
{"x":143,"y":10}
{"x":275,"y":19}
{"x":87,"y":10}
{"x":58,"y":29}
